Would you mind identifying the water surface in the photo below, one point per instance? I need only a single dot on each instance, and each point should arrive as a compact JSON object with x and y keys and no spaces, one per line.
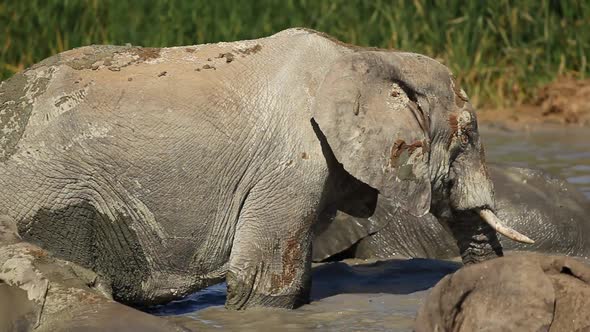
{"x":563,"y":152}
{"x":352,"y":296}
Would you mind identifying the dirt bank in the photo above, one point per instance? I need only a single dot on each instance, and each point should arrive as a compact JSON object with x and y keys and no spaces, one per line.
{"x":565,"y":101}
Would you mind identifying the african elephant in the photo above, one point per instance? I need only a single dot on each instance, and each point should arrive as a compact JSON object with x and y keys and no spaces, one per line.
{"x":167,"y":170}
{"x":531,"y":201}
{"x":526,"y":292}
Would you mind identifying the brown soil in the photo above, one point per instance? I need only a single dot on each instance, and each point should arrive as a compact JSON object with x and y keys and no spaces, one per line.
{"x":565,"y":101}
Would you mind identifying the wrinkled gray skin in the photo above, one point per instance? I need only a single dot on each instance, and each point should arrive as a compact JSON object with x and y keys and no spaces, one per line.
{"x":167,"y":170}
{"x":531,"y":201}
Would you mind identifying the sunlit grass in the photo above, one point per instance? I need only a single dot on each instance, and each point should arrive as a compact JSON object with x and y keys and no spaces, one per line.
{"x":500,"y":50}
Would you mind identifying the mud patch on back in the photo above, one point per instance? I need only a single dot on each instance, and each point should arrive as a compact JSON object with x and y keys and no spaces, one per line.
{"x":95,"y":54}
{"x":228,"y":56}
{"x":250,"y":50}
{"x":17,"y":96}
{"x":111,"y":57}
{"x":145,"y":53}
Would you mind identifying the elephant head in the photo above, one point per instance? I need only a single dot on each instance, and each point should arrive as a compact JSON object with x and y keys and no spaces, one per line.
{"x":399,"y":123}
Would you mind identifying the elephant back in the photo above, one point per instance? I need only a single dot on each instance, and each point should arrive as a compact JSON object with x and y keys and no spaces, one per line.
{"x":549,"y":209}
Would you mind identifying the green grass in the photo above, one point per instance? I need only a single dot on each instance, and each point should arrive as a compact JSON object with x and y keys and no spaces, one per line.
{"x":500,"y":50}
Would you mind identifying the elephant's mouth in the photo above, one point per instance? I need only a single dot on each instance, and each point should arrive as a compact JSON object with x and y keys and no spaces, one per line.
{"x":491,"y":219}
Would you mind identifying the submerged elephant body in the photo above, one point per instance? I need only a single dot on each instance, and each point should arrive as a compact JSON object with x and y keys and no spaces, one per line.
{"x":526,"y":292}
{"x":167,"y":170}
{"x":553,"y":211}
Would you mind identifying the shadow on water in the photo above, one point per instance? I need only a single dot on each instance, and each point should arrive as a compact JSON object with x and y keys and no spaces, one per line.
{"x":396,"y":276}
{"x":205,"y":298}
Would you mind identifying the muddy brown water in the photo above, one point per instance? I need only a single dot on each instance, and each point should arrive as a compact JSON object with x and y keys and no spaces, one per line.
{"x":563,"y":152}
{"x":385,"y":295}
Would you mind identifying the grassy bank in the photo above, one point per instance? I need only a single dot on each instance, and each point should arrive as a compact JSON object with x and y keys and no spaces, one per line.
{"x":500,"y":50}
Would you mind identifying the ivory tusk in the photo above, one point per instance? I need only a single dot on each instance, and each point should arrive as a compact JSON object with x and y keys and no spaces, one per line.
{"x":497,"y":225}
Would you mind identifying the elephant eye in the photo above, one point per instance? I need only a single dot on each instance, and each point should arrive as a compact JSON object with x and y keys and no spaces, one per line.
{"x":464,"y":138}
{"x":466,"y":124}
{"x":462,"y":129}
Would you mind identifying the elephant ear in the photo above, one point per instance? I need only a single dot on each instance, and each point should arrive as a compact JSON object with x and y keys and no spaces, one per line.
{"x":343,"y":231}
{"x":374,"y":125}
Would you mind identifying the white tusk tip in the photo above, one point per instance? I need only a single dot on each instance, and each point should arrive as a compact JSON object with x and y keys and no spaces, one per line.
{"x":499,"y":227}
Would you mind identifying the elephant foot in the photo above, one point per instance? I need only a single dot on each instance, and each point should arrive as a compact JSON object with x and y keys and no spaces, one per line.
{"x":241,"y":295}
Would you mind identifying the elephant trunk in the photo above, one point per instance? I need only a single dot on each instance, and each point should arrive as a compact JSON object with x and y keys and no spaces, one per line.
{"x":476,"y":239}
{"x":474,"y":224}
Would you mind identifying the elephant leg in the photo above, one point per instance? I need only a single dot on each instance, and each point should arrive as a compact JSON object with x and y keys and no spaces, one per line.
{"x":270,"y":261}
